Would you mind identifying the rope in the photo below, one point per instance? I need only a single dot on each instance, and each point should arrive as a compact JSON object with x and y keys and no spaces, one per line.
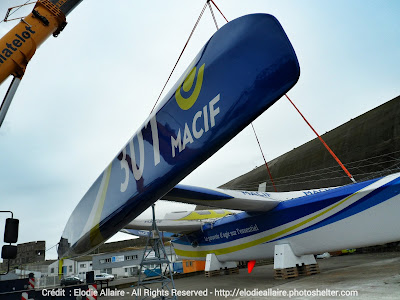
{"x":212,"y":14}
{"x":51,"y":247}
{"x":319,"y":137}
{"x":255,"y":134}
{"x":173,"y":69}
{"x":195,"y":25}
{"x":323,"y":142}
{"x":219,"y":10}
{"x":8,"y":15}
{"x":318,"y":171}
{"x":368,"y":175}
{"x":265,"y":161}
{"x":287,"y":180}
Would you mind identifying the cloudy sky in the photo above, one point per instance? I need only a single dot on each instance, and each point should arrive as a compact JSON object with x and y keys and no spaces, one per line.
{"x":86,"y":92}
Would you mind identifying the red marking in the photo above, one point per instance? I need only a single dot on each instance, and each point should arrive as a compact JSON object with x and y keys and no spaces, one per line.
{"x":93,"y":292}
{"x":250,"y":265}
{"x":219,"y":11}
{"x":31,"y":283}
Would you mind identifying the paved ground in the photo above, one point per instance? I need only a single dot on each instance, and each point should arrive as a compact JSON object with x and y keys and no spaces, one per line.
{"x":372,"y":276}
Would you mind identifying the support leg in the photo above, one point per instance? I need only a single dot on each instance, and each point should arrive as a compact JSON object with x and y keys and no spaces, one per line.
{"x":212,"y":263}
{"x":214,"y":266}
{"x":288,"y":265}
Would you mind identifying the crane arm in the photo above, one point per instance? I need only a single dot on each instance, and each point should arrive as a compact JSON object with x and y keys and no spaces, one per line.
{"x":66,"y":6}
{"x":18,"y":46}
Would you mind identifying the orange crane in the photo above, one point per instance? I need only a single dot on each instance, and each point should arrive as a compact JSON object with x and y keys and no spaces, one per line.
{"x":18,"y":46}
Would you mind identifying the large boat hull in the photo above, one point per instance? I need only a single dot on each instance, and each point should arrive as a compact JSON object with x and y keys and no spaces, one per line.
{"x":242,"y":70}
{"x":357,"y":215}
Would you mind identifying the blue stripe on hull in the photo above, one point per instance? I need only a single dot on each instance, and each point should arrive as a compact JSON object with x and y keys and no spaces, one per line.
{"x":291,"y":210}
{"x":376,"y":197}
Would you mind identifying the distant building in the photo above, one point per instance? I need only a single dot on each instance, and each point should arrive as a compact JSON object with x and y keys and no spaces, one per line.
{"x":122,"y":260}
{"x":78,"y":267}
{"x":41,"y":267}
{"x":124,"y":263}
{"x":28,"y":253}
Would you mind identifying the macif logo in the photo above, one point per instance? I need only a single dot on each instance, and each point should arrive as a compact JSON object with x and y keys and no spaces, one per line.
{"x":187,"y":86}
{"x":203,"y":120}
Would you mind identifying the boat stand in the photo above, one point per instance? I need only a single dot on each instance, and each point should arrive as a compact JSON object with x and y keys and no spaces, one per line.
{"x":155,"y":274}
{"x":288,"y":265}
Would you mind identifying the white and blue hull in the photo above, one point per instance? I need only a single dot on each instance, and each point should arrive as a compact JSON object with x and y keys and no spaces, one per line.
{"x":357,"y":215}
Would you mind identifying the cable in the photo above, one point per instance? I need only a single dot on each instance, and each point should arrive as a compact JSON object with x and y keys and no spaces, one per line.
{"x":323,"y":142}
{"x":212,"y":14}
{"x":16,"y":10}
{"x":173,"y":69}
{"x":197,"y":22}
{"x":364,"y":175}
{"x":51,"y":247}
{"x":265,"y":161}
{"x":255,"y":134}
{"x":219,"y":11}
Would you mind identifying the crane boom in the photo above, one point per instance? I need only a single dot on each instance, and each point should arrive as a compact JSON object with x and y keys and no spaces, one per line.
{"x":18,"y":46}
{"x":66,"y":6}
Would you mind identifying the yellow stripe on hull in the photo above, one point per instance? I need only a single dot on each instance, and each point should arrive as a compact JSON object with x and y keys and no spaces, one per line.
{"x":190,"y":253}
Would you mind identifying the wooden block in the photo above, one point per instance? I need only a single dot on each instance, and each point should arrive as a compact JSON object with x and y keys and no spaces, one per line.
{"x":335,"y":253}
{"x":231,"y":271}
{"x":212,"y":273}
{"x":307,"y":270}
{"x":286,"y":273}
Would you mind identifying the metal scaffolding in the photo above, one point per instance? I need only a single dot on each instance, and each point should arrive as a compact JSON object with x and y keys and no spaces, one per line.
{"x":155,"y":275}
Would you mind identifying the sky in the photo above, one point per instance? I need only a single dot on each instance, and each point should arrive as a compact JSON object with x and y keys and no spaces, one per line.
{"x":86,"y":92}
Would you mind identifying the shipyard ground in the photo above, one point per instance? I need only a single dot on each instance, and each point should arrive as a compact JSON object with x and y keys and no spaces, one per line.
{"x":371,"y":276}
